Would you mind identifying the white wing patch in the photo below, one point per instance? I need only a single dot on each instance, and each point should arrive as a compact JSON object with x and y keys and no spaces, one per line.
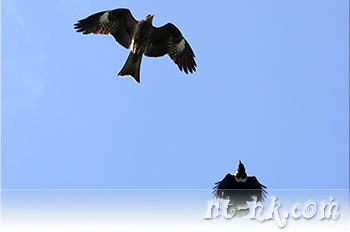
{"x":104,"y":18}
{"x":181,"y":46}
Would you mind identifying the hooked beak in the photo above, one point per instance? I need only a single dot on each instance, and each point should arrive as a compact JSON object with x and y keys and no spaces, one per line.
{"x":150,"y":17}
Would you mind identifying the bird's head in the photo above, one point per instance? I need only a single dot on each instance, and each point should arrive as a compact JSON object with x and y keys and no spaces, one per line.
{"x":241,"y":175}
{"x":149,"y":18}
{"x":241,"y":167}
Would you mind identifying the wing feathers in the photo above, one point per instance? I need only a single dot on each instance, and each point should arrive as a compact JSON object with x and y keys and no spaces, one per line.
{"x":182,"y":54}
{"x":169,"y":40}
{"x":119,"y":23}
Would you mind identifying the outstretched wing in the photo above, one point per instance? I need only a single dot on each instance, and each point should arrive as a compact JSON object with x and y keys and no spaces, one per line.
{"x":222,"y":188}
{"x":256,"y":189}
{"x":169,"y":40}
{"x":119,"y":23}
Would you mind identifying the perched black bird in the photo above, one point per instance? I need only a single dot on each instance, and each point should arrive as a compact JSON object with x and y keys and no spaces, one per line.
{"x":239,"y":189}
{"x":141,"y":38}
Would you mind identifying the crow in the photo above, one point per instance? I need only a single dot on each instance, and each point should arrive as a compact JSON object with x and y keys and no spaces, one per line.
{"x":141,"y":38}
{"x":239,"y":189}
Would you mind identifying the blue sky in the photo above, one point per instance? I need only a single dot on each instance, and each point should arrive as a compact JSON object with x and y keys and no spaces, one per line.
{"x":271,"y":89}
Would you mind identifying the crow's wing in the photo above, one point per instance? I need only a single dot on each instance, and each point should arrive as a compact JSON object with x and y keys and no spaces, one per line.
{"x":119,"y":23}
{"x":256,"y":189}
{"x":169,"y":40}
{"x":223,"y":187}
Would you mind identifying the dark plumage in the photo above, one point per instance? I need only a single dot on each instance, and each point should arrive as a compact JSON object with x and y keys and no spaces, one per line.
{"x":239,"y":189}
{"x":141,"y":38}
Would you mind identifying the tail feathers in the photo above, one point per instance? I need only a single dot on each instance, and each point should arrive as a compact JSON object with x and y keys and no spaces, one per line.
{"x":132,"y":66}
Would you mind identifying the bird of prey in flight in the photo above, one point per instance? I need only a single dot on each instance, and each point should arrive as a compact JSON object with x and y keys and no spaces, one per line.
{"x":239,"y":189}
{"x":141,"y":38}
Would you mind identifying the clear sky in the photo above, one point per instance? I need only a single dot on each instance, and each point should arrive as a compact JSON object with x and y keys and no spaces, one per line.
{"x":271,"y":89}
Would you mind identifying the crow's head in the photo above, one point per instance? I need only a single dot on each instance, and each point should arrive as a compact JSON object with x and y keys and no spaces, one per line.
{"x":241,"y":175}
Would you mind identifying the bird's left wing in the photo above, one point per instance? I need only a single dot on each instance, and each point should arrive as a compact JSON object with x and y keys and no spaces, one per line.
{"x":169,"y":40}
{"x":119,"y":23}
{"x":256,"y":189}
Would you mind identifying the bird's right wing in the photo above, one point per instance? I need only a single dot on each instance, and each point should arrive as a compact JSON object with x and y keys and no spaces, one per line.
{"x":223,"y":187}
{"x":119,"y":23}
{"x":169,"y":40}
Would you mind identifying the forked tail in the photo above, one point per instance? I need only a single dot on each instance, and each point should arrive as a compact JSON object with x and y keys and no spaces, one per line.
{"x":132,"y":66}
